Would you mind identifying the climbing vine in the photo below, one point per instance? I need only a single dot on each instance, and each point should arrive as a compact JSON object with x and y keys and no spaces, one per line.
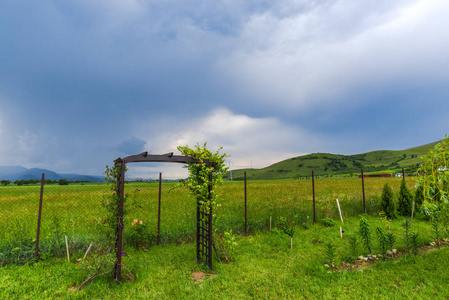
{"x":202,"y":182}
{"x":198,"y":182}
{"x":111,"y":201}
{"x":102,"y":258}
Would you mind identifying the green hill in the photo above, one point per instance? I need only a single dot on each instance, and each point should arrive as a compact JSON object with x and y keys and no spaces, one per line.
{"x":382,"y":161}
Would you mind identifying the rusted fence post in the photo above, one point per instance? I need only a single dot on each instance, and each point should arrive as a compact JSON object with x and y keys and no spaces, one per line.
{"x":246,"y":217}
{"x":159,"y":211}
{"x":120,"y":225}
{"x":363,"y":192}
{"x":36,"y":253}
{"x":209,"y":223}
{"x":313,"y":190}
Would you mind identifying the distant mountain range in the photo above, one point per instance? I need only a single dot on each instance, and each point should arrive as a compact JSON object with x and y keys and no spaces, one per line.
{"x":382,"y":161}
{"x":13,"y":173}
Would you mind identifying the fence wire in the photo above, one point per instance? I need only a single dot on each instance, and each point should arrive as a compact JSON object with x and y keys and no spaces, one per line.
{"x":74,"y":210}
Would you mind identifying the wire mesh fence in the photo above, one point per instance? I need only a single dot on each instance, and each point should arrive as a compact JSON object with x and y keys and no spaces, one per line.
{"x":75,"y":210}
{"x":68,"y":210}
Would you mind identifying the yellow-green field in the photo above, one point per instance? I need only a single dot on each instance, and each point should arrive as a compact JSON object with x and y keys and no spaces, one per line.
{"x":75,"y":210}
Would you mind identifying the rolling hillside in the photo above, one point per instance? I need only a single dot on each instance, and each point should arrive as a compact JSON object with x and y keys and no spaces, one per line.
{"x":387,"y":161}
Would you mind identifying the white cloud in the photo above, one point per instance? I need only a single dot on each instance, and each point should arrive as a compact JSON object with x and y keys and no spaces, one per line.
{"x":325,"y":53}
{"x":256,"y":142}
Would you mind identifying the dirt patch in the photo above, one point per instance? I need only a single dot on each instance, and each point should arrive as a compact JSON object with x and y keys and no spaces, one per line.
{"x":199,"y":276}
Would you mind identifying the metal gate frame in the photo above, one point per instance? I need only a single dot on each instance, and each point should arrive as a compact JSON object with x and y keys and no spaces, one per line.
{"x":204,"y":213}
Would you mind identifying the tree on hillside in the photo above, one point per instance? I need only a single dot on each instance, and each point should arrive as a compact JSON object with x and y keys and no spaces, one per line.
{"x":5,"y":182}
{"x":63,"y":182}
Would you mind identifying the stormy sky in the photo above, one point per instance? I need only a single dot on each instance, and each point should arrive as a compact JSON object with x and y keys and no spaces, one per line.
{"x":84,"y":82}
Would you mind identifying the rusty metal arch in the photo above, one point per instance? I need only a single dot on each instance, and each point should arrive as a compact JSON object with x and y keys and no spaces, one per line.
{"x":204,"y":214}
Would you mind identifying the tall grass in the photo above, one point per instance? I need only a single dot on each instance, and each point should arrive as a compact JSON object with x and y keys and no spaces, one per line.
{"x":74,"y":210}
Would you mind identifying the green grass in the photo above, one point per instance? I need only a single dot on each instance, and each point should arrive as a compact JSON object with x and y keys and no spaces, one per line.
{"x":325,"y":164}
{"x":264,"y":267}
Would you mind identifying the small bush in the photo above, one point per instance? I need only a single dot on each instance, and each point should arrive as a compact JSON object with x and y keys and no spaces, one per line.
{"x":365,"y":234}
{"x":405,"y":199}
{"x":331,"y":255}
{"x":224,"y":245}
{"x":387,"y":202}
{"x":353,"y":247}
{"x":414,"y":242}
{"x":328,"y":222}
{"x":383,"y":239}
{"x":391,"y":239}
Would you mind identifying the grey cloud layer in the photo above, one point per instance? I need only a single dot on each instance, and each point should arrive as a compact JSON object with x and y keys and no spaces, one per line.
{"x":90,"y":80}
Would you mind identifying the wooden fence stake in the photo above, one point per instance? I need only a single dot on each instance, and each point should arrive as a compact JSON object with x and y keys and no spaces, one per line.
{"x":363,"y":191}
{"x":246,"y":216}
{"x":313,"y":190}
{"x":339,"y":210}
{"x":85,"y":254}
{"x":67,"y":247}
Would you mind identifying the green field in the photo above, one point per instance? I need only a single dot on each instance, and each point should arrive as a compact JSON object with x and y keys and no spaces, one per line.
{"x":264,"y":266}
{"x":74,"y":210}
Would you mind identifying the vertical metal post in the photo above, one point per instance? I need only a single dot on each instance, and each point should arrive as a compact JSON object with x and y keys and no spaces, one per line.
{"x":36,"y":253}
{"x":159,"y":211}
{"x":210,"y":221}
{"x":120,"y":225}
{"x":403,"y":174}
{"x":313,"y":189}
{"x":246,"y":210}
{"x":363,"y":191}
{"x":198,"y":225}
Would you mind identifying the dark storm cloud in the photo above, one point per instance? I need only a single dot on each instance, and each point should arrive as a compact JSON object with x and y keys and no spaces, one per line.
{"x":131,"y":146}
{"x":81,"y":80}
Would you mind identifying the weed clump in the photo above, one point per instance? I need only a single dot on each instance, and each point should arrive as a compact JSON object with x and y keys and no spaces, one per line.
{"x":328,"y":222}
{"x":331,"y":254}
{"x":414,"y":242}
{"x":365,"y":234}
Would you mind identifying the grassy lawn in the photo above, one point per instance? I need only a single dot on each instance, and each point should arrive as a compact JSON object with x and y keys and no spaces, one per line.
{"x":264,"y":266}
